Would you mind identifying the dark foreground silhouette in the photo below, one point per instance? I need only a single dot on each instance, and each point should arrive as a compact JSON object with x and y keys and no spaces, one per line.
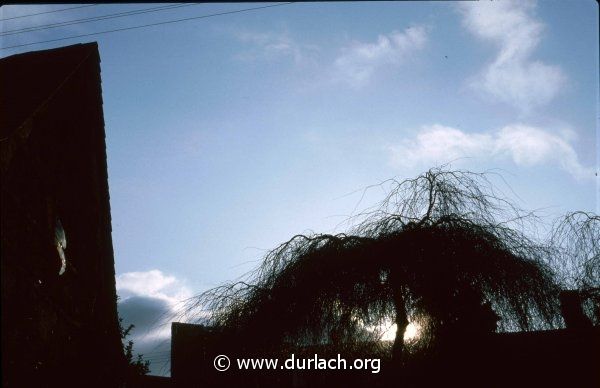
{"x":442,"y":251}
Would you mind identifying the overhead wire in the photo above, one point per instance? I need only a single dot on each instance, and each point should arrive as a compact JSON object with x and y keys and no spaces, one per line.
{"x":166,"y":366}
{"x":148,"y":25}
{"x":46,"y":12}
{"x":95,"y":18}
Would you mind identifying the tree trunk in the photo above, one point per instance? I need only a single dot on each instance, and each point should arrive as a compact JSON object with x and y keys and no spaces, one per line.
{"x":401,"y":324}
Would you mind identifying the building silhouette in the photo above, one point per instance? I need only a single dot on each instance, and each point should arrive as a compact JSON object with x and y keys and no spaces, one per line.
{"x":551,"y":358}
{"x":59,"y":317}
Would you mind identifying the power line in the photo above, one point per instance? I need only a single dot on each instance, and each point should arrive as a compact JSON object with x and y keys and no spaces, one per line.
{"x":165,"y":367}
{"x":157,"y":359}
{"x":42,"y":13}
{"x":157,"y":354}
{"x":94,"y":18}
{"x":160,"y":351}
{"x":147,"y":25}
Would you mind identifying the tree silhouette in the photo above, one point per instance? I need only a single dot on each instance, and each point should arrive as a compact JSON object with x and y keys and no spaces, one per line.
{"x":135,"y":366}
{"x":443,"y":249}
{"x":576,"y":242}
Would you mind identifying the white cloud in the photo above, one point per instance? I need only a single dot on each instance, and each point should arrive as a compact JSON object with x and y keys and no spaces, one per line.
{"x":153,"y":284}
{"x":513,"y":77}
{"x":523,"y":145}
{"x":358,"y":62}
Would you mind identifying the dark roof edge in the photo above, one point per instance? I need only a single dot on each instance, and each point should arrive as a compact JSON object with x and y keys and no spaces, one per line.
{"x":12,"y":142}
{"x":91,"y":45}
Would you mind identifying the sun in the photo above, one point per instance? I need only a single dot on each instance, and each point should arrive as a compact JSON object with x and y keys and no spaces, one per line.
{"x":411,"y":333}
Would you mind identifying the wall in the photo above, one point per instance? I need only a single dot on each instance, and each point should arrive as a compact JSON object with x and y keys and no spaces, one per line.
{"x":56,"y":329}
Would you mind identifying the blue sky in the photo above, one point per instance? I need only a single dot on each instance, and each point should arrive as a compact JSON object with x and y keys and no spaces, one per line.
{"x":230,"y":134}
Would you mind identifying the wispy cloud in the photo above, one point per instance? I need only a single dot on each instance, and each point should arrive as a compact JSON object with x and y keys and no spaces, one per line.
{"x":523,"y":145}
{"x":359,"y":61}
{"x":513,"y":77}
{"x":355,"y":64}
{"x":274,"y":45}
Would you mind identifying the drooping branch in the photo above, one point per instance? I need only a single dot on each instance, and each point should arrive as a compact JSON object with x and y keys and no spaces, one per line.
{"x":433,"y":240}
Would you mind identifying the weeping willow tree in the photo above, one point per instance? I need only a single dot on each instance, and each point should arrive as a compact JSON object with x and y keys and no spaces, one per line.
{"x":441,"y":249}
{"x":576,"y":237}
{"x":576,"y":240}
